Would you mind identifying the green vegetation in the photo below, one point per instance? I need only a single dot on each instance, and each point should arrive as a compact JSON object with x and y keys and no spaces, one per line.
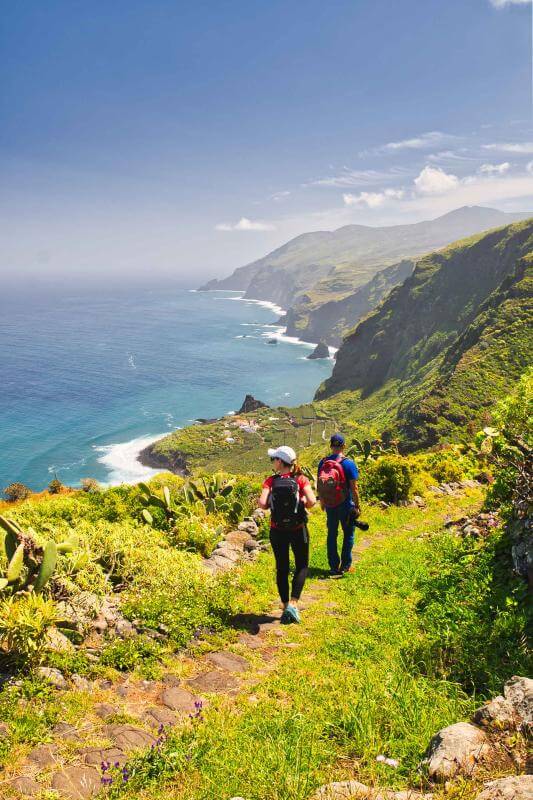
{"x":354,"y":687}
{"x":425,"y":628}
{"x":433,"y":358}
{"x":432,"y":621}
{"x":28,"y":566}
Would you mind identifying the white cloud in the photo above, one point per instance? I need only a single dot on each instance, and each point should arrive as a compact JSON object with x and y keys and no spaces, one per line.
{"x":245,"y":224}
{"x":417,"y":142}
{"x":529,"y":167}
{"x":444,"y":156}
{"x":511,"y":147}
{"x":373,"y":199}
{"x":279,"y":195}
{"x":433,"y":180}
{"x":356,"y":177}
{"x":421,"y":142}
{"x":503,"y":3}
{"x":495,"y":169}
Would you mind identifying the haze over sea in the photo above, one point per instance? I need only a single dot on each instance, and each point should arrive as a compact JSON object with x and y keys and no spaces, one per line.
{"x":87,"y":381}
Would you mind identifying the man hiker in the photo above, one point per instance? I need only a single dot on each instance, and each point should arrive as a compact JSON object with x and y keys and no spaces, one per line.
{"x":338,"y":493}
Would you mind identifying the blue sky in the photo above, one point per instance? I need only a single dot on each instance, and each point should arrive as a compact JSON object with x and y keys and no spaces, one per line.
{"x":175,"y":139}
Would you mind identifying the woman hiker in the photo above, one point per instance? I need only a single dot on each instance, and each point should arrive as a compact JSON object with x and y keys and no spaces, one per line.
{"x":288,"y":493}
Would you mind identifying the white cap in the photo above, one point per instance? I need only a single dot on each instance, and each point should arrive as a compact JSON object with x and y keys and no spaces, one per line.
{"x":286,"y":454}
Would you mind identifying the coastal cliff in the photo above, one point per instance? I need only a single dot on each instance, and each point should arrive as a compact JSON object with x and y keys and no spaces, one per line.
{"x":325,"y":278}
{"x":448,"y":341}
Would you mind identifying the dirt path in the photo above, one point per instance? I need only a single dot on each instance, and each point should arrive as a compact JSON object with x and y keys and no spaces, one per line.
{"x":119,"y":719}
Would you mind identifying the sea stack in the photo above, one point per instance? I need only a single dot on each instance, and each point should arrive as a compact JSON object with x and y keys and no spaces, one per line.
{"x":320,"y":351}
{"x":251,"y":404}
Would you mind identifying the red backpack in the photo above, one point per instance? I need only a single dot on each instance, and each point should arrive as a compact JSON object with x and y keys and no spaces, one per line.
{"x":331,"y":485}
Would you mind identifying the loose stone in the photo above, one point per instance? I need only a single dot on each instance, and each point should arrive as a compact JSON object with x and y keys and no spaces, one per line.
{"x":77,"y":782}
{"x":228,"y":661}
{"x":178,"y":699}
{"x":129,"y":738}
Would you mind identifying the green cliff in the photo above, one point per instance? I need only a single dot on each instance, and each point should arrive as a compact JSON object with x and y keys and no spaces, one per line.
{"x":445,"y":344}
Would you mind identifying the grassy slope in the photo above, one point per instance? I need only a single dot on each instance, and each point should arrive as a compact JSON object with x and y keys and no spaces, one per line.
{"x":460,"y":324}
{"x":205,"y":448}
{"x":333,"y":308}
{"x":346,"y":691}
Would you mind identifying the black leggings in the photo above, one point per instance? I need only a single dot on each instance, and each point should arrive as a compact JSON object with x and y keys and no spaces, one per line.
{"x":282,"y":542}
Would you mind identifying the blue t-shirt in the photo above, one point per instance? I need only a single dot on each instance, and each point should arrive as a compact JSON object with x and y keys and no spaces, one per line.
{"x":350,"y":470}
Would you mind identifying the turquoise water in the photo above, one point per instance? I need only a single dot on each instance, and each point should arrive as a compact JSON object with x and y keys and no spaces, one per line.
{"x":87,"y":381}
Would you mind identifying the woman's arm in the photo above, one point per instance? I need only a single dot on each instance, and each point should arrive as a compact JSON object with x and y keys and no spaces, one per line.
{"x":309,"y":496}
{"x":263,"y":498}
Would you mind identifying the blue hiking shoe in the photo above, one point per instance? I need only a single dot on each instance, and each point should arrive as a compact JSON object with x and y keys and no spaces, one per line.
{"x":286,"y":618}
{"x":293,"y":613}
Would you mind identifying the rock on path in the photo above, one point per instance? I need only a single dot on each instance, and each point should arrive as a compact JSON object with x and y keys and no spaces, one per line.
{"x":129,"y":738}
{"x":178,"y":699}
{"x":95,"y":755}
{"x":215,"y":681}
{"x":514,"y":787}
{"x":77,"y":783}
{"x":457,"y":749}
{"x":157,"y":716}
{"x":343,"y":790}
{"x":25,"y":786}
{"x":228,"y":661}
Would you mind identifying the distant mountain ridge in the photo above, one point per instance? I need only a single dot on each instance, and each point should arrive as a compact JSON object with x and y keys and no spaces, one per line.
{"x":334,"y":263}
{"x":447,"y":342}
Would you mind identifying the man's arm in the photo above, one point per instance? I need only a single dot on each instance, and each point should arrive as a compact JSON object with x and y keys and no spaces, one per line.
{"x":354,"y":486}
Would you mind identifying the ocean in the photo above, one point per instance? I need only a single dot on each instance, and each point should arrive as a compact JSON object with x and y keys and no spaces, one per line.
{"x":87,"y":381}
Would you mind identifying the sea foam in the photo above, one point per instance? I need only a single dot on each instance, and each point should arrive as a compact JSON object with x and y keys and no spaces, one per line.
{"x":121,"y":460}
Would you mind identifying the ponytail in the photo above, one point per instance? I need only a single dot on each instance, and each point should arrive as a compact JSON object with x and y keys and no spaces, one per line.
{"x":295,"y":468}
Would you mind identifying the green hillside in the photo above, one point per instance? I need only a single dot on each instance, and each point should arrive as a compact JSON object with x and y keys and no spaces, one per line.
{"x":320,"y":316}
{"x":448,"y":342}
{"x":322,"y":266}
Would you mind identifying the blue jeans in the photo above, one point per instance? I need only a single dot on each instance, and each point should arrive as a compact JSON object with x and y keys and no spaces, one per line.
{"x":334,"y":516}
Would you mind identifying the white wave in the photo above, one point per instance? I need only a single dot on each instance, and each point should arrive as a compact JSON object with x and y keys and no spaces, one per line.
{"x":264,"y":303}
{"x":279,"y":335}
{"x":121,"y":462}
{"x":131,"y":361}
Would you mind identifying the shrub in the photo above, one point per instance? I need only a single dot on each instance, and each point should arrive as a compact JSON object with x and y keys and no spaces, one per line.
{"x":55,"y":486}
{"x":515,"y":412}
{"x":89,"y":484}
{"x":24,"y":624}
{"x":475,"y":614}
{"x":445,"y":466}
{"x":389,"y":479}
{"x":169,"y":587}
{"x":17,"y":491}
{"x":70,"y":663}
{"x":126,"y":654}
{"x":196,"y":535}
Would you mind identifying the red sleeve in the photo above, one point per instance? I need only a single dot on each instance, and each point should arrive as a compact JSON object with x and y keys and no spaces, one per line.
{"x":303,"y":482}
{"x":268,"y":483}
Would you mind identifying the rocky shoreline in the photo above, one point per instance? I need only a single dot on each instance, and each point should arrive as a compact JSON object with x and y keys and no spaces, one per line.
{"x":177,"y":463}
